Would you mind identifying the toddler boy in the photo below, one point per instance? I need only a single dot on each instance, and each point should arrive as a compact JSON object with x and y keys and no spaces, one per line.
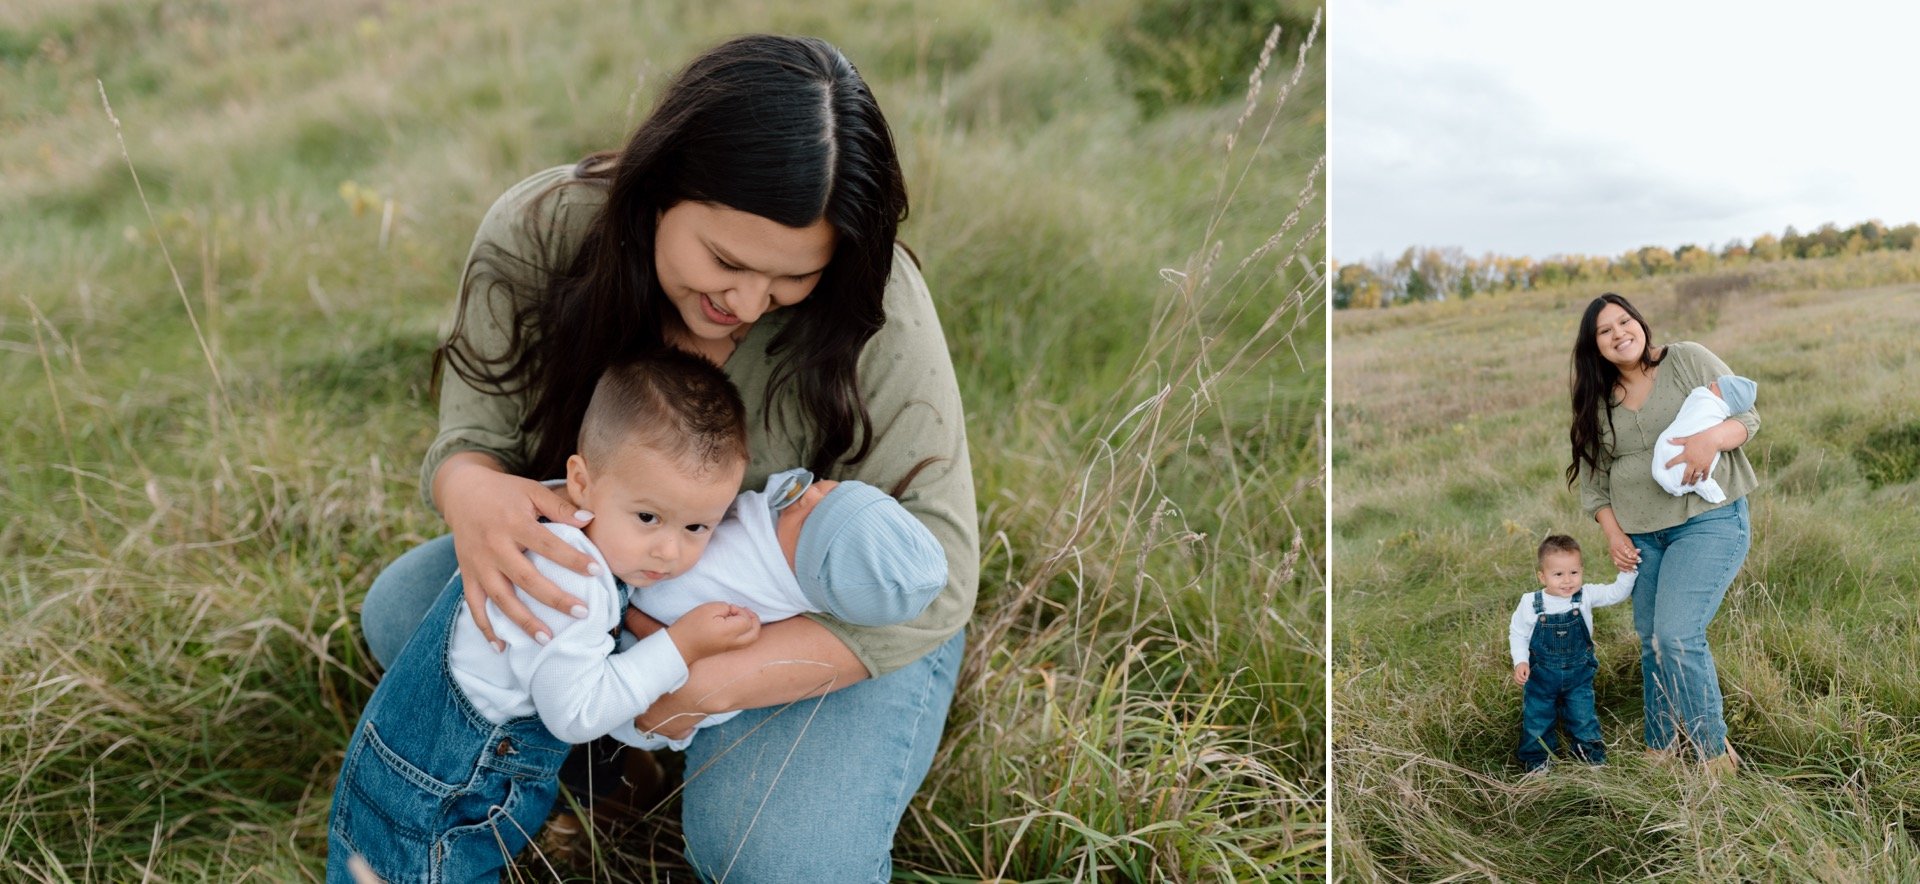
{"x":1551,"y":640}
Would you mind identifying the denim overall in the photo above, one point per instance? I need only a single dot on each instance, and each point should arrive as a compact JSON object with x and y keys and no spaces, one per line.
{"x":431,"y":790}
{"x":1559,"y":687}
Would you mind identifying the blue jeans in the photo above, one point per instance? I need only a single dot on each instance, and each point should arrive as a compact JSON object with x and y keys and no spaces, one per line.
{"x":1684,"y":574}
{"x":431,"y":790}
{"x":810,"y":791}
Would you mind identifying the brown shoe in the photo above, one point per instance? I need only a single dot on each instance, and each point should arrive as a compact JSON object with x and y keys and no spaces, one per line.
{"x":563,"y":839}
{"x":642,"y":786}
{"x":1724,"y":764}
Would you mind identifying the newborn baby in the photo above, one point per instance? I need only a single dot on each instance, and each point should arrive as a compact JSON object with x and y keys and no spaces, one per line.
{"x":844,"y":549}
{"x":1704,"y":409}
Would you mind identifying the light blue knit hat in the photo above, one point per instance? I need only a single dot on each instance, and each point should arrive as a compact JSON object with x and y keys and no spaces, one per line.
{"x":1738,"y":393}
{"x":866,"y":560}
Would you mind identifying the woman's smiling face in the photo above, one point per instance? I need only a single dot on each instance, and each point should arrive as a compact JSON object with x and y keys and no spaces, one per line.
{"x":1621,"y":338}
{"x":723,"y":269}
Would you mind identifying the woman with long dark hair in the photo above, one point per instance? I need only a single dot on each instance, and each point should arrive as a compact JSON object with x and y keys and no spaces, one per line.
{"x":1626,"y":391}
{"x":751,"y":218}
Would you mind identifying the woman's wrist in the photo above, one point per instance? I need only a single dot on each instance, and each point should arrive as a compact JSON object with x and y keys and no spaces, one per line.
{"x":458,"y":464}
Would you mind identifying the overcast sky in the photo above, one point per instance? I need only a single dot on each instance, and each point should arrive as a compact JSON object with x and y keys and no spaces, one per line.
{"x":1535,"y":128}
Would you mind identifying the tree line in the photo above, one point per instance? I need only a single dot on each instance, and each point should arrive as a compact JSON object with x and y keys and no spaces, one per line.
{"x":1437,"y":274}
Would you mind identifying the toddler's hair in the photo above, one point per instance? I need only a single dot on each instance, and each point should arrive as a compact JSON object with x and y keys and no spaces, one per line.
{"x":671,"y":402}
{"x":1556,"y":543}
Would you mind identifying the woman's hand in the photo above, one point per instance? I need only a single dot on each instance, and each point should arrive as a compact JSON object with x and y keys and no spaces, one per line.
{"x":494,"y":517}
{"x":1626,"y":556}
{"x":1620,"y":548}
{"x":1698,"y":449}
{"x":1698,"y":452}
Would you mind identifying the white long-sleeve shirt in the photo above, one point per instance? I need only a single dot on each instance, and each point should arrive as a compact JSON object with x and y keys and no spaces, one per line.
{"x":577,"y":683}
{"x":1702,"y":410}
{"x":1592,"y":595}
{"x":743,"y":565}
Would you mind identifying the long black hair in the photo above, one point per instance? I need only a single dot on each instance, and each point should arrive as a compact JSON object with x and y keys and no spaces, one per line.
{"x":780,"y":127}
{"x":1592,"y":381}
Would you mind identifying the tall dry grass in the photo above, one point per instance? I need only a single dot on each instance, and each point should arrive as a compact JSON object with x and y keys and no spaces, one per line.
{"x":218,"y":398}
{"x":1450,"y":439}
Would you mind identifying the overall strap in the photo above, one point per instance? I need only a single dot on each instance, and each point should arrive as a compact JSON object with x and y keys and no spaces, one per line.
{"x":1539,"y":603}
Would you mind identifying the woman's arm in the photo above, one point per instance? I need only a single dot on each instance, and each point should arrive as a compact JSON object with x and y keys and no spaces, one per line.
{"x":913,"y":395}
{"x":470,"y":472}
{"x":494,"y":516}
{"x":1699,"y":449}
{"x":1626,"y":556}
{"x":792,"y":660}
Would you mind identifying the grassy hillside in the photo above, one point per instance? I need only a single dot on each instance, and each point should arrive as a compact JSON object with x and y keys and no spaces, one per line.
{"x":217,"y":399}
{"x":1450,"y":425}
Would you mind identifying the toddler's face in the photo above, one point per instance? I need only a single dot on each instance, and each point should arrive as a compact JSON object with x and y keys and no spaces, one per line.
{"x":652,"y":518}
{"x":1560,"y":573}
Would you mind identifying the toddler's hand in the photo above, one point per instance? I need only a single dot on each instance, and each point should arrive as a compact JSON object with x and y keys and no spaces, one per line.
{"x":713,"y":628}
{"x":1520,"y":673}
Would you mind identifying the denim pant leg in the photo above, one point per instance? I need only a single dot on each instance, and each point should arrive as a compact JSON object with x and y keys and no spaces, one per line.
{"x":1583,"y":722}
{"x":401,"y":595}
{"x":1697,"y":562}
{"x":1657,"y":730}
{"x":814,"y":790}
{"x":1537,"y":713}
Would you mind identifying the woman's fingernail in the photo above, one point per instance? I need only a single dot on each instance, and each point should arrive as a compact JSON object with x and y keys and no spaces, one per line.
{"x":593,"y":569}
{"x":578,"y":611}
{"x":542,"y":638}
{"x":499,"y":647}
{"x":583,"y":515}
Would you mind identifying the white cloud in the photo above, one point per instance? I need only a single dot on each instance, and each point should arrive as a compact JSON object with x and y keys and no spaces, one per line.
{"x":1531,"y":128}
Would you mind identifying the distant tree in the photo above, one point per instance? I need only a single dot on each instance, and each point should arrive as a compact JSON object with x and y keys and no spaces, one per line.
{"x":1655,"y":260}
{"x":1419,"y":289}
{"x":1430,"y":273}
{"x":1693,"y":259}
{"x":1356,"y":286}
{"x":1830,"y":239}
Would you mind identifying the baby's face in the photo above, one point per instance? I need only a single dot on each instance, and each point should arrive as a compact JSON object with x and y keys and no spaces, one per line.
{"x":1715,"y":387}
{"x":1560,"y":573}
{"x":652,"y":516}
{"x":787,"y":526}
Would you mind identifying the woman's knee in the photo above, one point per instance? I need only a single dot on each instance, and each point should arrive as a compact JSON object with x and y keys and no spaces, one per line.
{"x":806,"y":794}
{"x":718,"y":856}
{"x":401,"y":595}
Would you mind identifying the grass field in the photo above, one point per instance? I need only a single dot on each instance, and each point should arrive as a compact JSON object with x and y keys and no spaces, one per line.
{"x":217,"y":398}
{"x":1450,"y":429}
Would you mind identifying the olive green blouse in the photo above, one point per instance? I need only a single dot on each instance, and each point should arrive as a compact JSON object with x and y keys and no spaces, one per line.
{"x":1626,"y":481}
{"x":905,"y":376}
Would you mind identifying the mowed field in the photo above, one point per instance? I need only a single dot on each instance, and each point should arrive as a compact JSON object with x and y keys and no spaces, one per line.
{"x":1450,"y":429}
{"x":217,"y":397}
